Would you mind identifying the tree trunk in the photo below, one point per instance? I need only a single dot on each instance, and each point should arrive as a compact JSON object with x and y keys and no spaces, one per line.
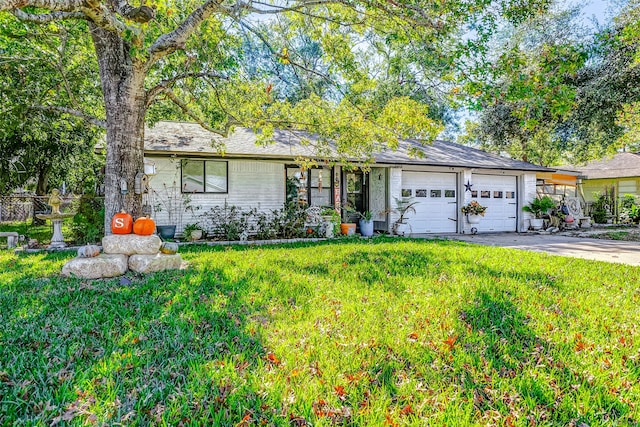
{"x":43,"y":181}
{"x":41,"y":190}
{"x":124,"y":98}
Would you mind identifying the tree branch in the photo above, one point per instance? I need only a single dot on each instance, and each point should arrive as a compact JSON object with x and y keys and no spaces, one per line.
{"x":93,"y":10}
{"x":189,"y":112}
{"x":140,"y":14}
{"x":47,"y":17}
{"x":106,"y":19}
{"x":53,"y":5}
{"x":273,"y":8}
{"x":176,"y":39}
{"x":167,"y":83}
{"x":84,"y":116}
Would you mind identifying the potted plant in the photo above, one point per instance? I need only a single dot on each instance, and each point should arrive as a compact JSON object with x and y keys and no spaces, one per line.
{"x":171,"y":200}
{"x":366,"y":223}
{"x":192,"y":232}
{"x":331,"y":219}
{"x":348,"y":228}
{"x":404,"y":207}
{"x":168,"y":200}
{"x":538,"y":207}
{"x":474,"y":211}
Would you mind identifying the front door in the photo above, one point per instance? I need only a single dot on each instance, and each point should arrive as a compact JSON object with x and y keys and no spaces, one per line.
{"x":355,"y":193}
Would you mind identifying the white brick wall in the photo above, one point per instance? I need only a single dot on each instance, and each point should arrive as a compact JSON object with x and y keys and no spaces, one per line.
{"x":251,"y":184}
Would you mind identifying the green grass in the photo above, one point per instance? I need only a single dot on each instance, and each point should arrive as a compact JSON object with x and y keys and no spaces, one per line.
{"x":42,"y":233}
{"x":618,"y":235}
{"x":367,"y":333}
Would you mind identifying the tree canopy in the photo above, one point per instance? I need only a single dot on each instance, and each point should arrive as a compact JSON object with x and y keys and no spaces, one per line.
{"x":364,"y":72}
{"x":42,"y":74}
{"x":555,"y":93}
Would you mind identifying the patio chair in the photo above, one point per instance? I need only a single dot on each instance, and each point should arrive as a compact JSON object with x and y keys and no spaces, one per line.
{"x":313,"y":218}
{"x":575,"y":209}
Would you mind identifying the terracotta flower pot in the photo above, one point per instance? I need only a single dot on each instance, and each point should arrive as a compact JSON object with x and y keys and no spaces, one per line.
{"x":348,"y":229}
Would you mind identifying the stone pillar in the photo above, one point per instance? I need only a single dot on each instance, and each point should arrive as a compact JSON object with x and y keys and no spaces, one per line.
{"x":57,"y":240}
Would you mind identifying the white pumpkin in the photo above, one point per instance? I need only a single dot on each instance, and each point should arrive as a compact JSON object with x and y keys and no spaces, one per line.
{"x":88,"y":251}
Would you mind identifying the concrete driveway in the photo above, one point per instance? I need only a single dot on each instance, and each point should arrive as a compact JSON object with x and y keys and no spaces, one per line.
{"x":579,"y":247}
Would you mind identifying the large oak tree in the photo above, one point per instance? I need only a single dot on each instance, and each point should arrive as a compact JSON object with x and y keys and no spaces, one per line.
{"x":191,"y":57}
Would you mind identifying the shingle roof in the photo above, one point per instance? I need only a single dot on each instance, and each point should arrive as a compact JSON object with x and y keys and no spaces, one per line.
{"x":620,"y":165}
{"x":182,"y":138}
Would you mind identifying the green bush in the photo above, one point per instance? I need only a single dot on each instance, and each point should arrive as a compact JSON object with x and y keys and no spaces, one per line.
{"x":629,"y":209}
{"x":600,"y":209}
{"x":539,"y":206}
{"x":227,"y":222}
{"x":88,"y":222}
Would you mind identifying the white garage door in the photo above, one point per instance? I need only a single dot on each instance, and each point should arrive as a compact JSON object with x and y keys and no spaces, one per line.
{"x":498,"y":194}
{"x":436,"y":194}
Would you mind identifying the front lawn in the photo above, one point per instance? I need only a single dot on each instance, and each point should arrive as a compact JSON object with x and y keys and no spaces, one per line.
{"x":384,"y":332}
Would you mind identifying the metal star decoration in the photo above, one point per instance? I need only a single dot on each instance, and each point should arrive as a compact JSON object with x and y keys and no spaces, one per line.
{"x":468,"y":186}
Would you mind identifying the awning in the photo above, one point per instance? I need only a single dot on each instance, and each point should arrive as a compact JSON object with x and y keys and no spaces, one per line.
{"x":557,"y":178}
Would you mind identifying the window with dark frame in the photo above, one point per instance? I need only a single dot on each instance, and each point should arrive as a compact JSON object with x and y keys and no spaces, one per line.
{"x":204,"y":176}
{"x":317,"y":185}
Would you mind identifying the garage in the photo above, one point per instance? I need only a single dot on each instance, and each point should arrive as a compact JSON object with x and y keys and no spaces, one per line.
{"x":436,"y":197}
{"x":498,"y":194}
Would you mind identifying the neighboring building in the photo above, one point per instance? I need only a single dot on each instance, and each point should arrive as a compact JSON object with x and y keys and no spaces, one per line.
{"x":558,"y":184}
{"x":620,"y":172}
{"x":255,"y":176}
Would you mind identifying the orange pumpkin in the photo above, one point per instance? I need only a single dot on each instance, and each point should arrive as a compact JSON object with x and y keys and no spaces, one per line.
{"x":121,"y":223}
{"x":144,"y":226}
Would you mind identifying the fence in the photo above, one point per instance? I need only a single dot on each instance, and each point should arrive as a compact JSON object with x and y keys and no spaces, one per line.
{"x":22,"y":208}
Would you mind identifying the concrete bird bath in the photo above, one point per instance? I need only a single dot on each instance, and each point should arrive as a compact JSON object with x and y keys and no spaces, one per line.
{"x":56,"y":218}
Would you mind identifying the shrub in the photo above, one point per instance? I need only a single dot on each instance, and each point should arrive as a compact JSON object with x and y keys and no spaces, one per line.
{"x":288,"y":222}
{"x":539,"y":206}
{"x":600,"y":209}
{"x":228,"y":222}
{"x":88,"y":222}
{"x":265,"y":229}
{"x":629,"y":209}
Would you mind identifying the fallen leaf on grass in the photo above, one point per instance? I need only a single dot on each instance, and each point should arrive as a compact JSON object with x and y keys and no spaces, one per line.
{"x":388,"y":421}
{"x":407,"y":410}
{"x":297,"y":421}
{"x":272,"y":358}
{"x":579,"y":342}
{"x":245,"y":420}
{"x":340,"y":392}
{"x":625,"y":341}
{"x":450,"y":342}
{"x":78,"y":408}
